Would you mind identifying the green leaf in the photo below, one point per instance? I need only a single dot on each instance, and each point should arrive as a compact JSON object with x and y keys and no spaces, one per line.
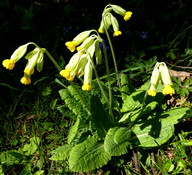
{"x":100,"y":120}
{"x":73,"y":131}
{"x":30,"y":148}
{"x":157,"y":128}
{"x":125,"y":87}
{"x":40,"y":172}
{"x":117,"y":141}
{"x":87,"y":156}
{"x":134,"y":101}
{"x":10,"y":157}
{"x":74,"y":103}
{"x":1,"y":170}
{"x":61,"y":153}
{"x":63,"y":109}
{"x":132,"y":116}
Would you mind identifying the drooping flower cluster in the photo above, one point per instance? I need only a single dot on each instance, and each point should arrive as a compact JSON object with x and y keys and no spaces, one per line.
{"x":81,"y":63}
{"x":35,"y":58}
{"x":108,"y":19}
{"x":160,"y":73}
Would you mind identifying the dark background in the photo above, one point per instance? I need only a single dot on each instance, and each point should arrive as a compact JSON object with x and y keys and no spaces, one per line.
{"x":50,"y":23}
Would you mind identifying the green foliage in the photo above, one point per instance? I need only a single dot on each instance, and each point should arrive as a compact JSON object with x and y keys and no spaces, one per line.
{"x":100,"y":119}
{"x":183,"y":88}
{"x":61,"y":153}
{"x":158,"y":128}
{"x":11,"y":157}
{"x":95,"y":130}
{"x":117,"y":141}
{"x":88,"y":155}
{"x":71,"y":97}
{"x":33,"y":145}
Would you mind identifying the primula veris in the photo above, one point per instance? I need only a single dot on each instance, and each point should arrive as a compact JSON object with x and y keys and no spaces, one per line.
{"x":127,"y":15}
{"x":16,"y":56}
{"x":19,"y":53}
{"x":160,"y":73}
{"x":108,"y":19}
{"x":25,"y":80}
{"x":119,"y":10}
{"x":8,"y":64}
{"x":71,"y":68}
{"x":168,"y":90}
{"x":66,"y":74}
{"x":71,"y":45}
{"x":34,"y":57}
{"x":87,"y":77}
{"x":151,"y":92}
{"x":115,"y":26}
{"x":117,"y":33}
{"x":86,"y":43}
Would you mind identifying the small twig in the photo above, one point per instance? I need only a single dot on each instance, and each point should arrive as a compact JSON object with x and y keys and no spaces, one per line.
{"x":183,"y":67}
{"x":152,"y":162}
{"x":135,"y":159}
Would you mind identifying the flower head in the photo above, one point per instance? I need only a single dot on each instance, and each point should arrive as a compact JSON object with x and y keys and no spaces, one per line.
{"x":127,"y":15}
{"x":87,"y":77}
{"x":8,"y":64}
{"x":26,"y":80}
{"x":168,"y":90}
{"x":117,"y":33}
{"x":108,"y":19}
{"x":71,"y":45}
{"x":152,"y":91}
{"x":160,"y":72}
{"x":35,"y":58}
{"x":17,"y":54}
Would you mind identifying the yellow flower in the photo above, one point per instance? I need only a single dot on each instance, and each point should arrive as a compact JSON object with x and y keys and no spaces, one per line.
{"x":117,"y":33}
{"x":29,"y":71}
{"x":151,"y":92}
{"x":25,"y":80}
{"x":66,"y":74}
{"x":8,"y":64}
{"x":87,"y":87}
{"x":128,"y":15}
{"x":87,"y":77}
{"x":71,"y":45}
{"x":101,"y":30}
{"x":168,"y":90}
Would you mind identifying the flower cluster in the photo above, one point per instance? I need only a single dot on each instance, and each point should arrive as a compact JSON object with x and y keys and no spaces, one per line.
{"x":160,"y":73}
{"x":81,"y":63}
{"x":108,"y":19}
{"x":35,"y":58}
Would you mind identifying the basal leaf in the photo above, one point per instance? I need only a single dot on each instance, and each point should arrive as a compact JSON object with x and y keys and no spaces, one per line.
{"x":100,"y":119}
{"x":133,"y":115}
{"x":61,"y":153}
{"x":73,"y":104}
{"x":31,"y":147}
{"x":10,"y":157}
{"x":158,"y":128}
{"x":117,"y":141}
{"x":73,"y":131}
{"x":87,"y":156}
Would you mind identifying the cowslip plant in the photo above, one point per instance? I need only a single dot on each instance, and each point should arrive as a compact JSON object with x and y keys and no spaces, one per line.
{"x":105,"y":125}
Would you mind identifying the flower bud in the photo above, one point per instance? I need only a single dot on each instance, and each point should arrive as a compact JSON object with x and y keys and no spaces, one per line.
{"x":8,"y":64}
{"x":87,"y":77}
{"x":128,"y":15}
{"x":26,"y":80}
{"x":32,"y":60}
{"x":119,"y":10}
{"x":19,"y":53}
